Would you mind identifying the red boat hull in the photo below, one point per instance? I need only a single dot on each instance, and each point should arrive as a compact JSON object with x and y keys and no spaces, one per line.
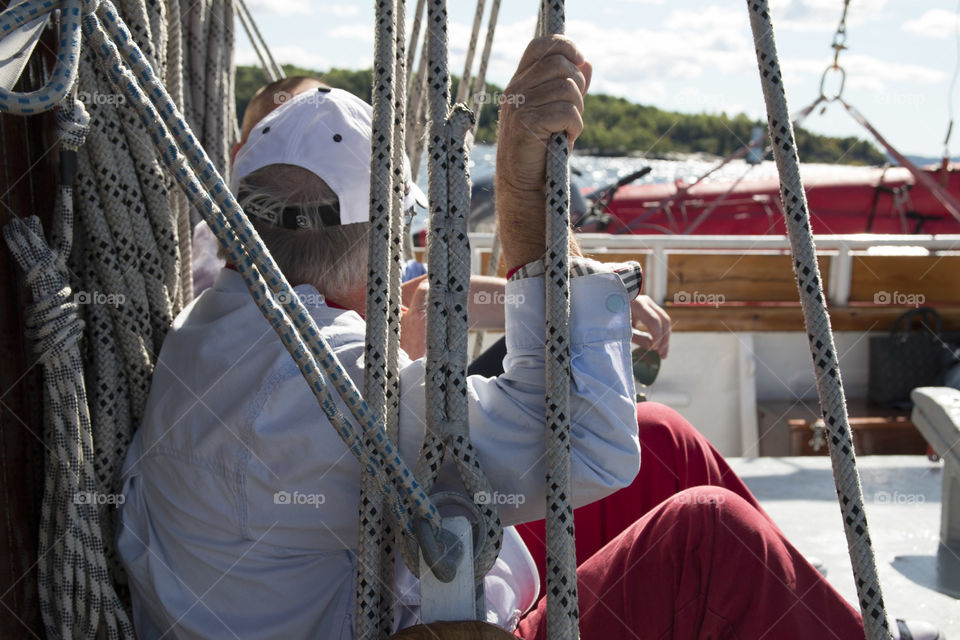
{"x":869,"y":201}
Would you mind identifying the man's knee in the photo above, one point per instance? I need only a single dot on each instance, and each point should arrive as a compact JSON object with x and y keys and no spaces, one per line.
{"x":659,"y":423}
{"x":711,"y":502}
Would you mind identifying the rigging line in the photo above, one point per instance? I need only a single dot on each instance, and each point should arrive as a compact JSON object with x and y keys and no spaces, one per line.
{"x":817,"y":324}
{"x":953,"y":84}
{"x":267,"y":69}
{"x":840,"y":36}
{"x":277,"y":69}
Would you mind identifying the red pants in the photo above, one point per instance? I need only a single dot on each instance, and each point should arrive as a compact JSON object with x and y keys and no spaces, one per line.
{"x":687,"y":552}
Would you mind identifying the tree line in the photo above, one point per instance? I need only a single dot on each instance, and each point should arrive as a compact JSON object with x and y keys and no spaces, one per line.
{"x":614,"y":126}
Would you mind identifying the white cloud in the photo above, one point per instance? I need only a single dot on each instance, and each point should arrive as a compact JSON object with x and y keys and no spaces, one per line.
{"x":634,"y":62}
{"x":342,"y":10}
{"x":278,"y":7}
{"x":299,"y":56}
{"x":821,"y":15}
{"x":355,"y":32}
{"x":934,"y":23}
{"x":863,"y":69}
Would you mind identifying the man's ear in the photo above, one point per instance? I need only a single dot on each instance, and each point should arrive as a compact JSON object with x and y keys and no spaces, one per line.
{"x":233,"y":152}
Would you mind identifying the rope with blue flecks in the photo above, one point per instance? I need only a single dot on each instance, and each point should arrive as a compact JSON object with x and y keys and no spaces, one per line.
{"x":561,"y":592}
{"x":817,"y":322}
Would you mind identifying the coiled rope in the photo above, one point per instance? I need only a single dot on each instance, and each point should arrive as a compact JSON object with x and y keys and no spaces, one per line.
{"x":74,"y":583}
{"x":133,"y":239}
{"x":817,"y":322}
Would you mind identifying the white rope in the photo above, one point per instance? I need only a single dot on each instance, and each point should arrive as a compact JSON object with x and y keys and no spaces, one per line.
{"x":449,"y":278}
{"x":412,"y":50}
{"x":817,"y":322}
{"x":562,"y":606}
{"x":260,"y":47}
{"x":395,"y":259}
{"x":65,"y":68}
{"x":463,"y":89}
{"x":418,"y":107}
{"x":479,"y":82}
{"x":477,"y":100}
{"x":374,"y":606}
{"x":268,"y":70}
{"x":74,"y":584}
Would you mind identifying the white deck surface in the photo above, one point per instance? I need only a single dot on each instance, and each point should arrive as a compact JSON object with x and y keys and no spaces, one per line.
{"x":902,"y":497}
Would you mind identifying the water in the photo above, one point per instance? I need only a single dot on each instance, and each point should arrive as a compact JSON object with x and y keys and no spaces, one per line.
{"x":598,"y":171}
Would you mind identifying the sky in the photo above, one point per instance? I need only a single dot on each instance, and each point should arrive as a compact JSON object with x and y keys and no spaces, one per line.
{"x":690,"y":56}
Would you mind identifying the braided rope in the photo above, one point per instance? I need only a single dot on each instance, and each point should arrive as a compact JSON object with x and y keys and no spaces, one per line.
{"x":74,"y":583}
{"x":562,"y":606}
{"x":479,"y":82}
{"x":817,"y":322}
{"x":464,"y":86}
{"x":418,"y":107}
{"x":414,"y":39}
{"x":449,"y":278}
{"x":374,"y":605}
{"x":65,"y":69}
{"x":272,"y":70}
{"x":388,"y":550}
{"x":133,"y":241}
{"x":477,"y":90}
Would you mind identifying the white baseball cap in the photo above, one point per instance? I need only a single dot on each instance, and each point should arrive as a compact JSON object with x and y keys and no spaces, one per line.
{"x":327,"y":132}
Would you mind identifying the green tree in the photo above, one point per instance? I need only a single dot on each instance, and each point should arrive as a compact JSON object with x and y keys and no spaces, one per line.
{"x":614,"y":126}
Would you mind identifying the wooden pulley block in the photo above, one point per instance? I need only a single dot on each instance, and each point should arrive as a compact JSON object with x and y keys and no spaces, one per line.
{"x":466,"y":630}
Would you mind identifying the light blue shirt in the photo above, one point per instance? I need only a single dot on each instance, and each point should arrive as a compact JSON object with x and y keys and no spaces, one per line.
{"x":230,"y":425}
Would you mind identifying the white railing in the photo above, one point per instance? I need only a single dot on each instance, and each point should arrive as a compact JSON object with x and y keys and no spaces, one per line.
{"x":839,"y":248}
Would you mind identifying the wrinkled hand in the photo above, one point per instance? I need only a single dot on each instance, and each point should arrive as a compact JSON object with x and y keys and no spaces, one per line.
{"x":413,"y":323}
{"x":544,"y":96}
{"x":648,"y":314}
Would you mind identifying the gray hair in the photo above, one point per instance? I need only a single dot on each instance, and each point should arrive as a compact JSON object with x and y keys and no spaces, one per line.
{"x":331,"y":258}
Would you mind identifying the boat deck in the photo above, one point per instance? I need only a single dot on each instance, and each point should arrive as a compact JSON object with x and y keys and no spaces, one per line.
{"x":902,"y":496}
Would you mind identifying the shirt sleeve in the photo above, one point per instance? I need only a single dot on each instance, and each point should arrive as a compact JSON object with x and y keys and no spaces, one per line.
{"x":507,"y":413}
{"x":630,"y":273}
